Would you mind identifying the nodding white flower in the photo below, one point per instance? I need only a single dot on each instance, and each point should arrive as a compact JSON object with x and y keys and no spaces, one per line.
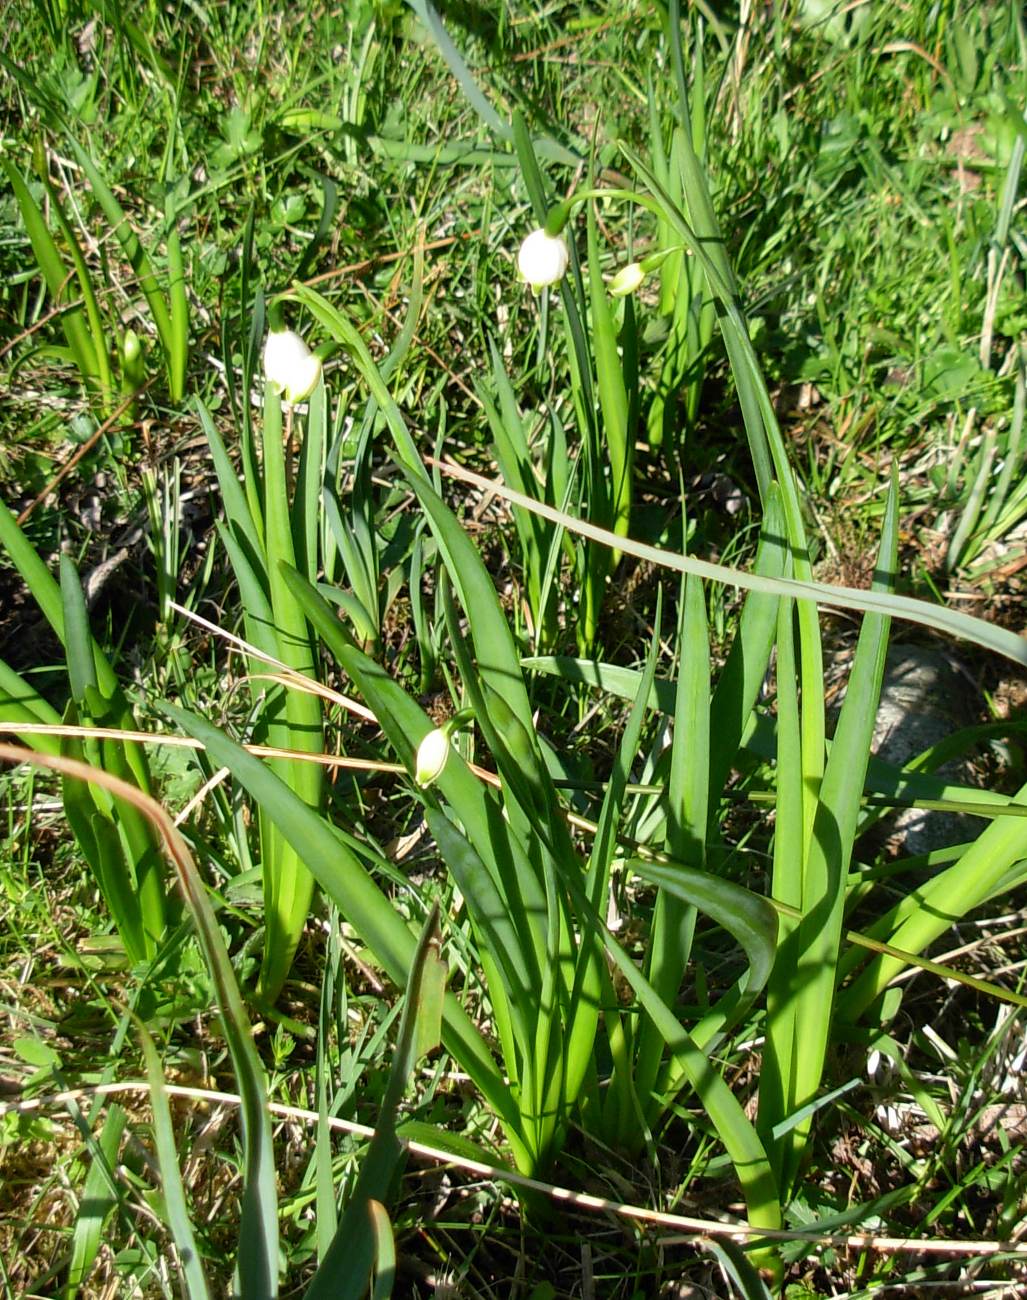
{"x":627,"y":280}
{"x":290,"y":364}
{"x":542,"y":259}
{"x":432,"y":754}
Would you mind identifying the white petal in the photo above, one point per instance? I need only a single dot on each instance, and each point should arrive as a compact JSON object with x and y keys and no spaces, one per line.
{"x":432,"y":753}
{"x":627,"y":280}
{"x":543,"y":259}
{"x":290,"y":364}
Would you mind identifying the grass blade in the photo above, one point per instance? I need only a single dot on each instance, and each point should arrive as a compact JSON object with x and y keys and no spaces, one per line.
{"x":429,"y":16}
{"x":131,"y":247}
{"x":98,"y":1201}
{"x":193,"y":1276}
{"x":258,"y":1238}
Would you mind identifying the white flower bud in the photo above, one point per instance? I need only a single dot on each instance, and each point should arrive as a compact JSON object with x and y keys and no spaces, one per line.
{"x":627,"y":280}
{"x":432,"y":753}
{"x":542,"y":259}
{"x":290,"y":364}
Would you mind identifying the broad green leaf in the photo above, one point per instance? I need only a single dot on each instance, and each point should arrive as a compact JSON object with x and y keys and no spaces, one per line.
{"x":384,"y":1251}
{"x":78,"y":640}
{"x":776,"y":1092}
{"x":20,"y":703}
{"x":747,"y":917}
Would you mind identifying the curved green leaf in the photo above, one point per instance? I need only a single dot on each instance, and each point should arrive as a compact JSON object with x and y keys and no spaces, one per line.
{"x":988,"y":636}
{"x":346,"y":881}
{"x":748,"y":918}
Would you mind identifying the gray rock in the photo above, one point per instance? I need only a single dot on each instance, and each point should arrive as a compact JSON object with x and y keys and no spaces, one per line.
{"x":925,"y":697}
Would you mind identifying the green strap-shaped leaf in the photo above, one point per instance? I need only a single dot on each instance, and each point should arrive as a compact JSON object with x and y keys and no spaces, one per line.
{"x":91,"y":812}
{"x":405,"y":723}
{"x":591,"y":986}
{"x":22,"y":703}
{"x":237,"y":506}
{"x":288,"y":886}
{"x":342,"y":876}
{"x":738,"y":1135}
{"x":747,"y":917}
{"x":73,"y":319}
{"x":688,"y":797}
{"x":46,"y":592}
{"x":498,"y":659}
{"x":949,"y":621}
{"x":618,"y":435}
{"x":490,"y":916}
{"x":812,"y":973}
{"x":776,"y":1086}
{"x":78,"y":640}
{"x":176,"y":1209}
{"x":745,"y":669}
{"x":931,"y":909}
{"x":257,"y":1256}
{"x":97,"y":1202}
{"x":345,"y":1270}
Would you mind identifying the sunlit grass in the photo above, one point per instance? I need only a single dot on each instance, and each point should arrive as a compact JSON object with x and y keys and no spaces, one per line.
{"x":685,"y":965}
